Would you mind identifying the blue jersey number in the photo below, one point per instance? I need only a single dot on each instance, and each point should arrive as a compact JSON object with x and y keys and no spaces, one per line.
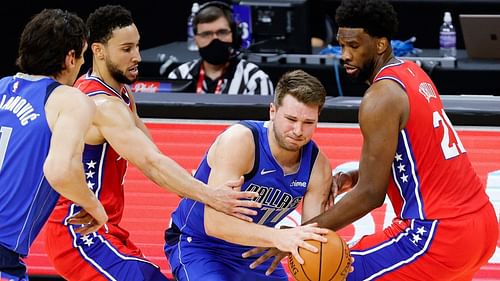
{"x":5,"y":133}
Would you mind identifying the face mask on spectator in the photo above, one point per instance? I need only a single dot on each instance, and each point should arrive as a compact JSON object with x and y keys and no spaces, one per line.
{"x":217,"y":52}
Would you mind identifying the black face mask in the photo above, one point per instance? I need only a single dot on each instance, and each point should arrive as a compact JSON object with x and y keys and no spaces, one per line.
{"x":217,"y":52}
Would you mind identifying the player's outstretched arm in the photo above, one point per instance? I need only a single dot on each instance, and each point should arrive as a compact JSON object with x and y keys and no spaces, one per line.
{"x":118,"y":126}
{"x":245,"y":233}
{"x":69,"y":114}
{"x":227,"y":198}
{"x":319,"y":189}
{"x":382,"y":116}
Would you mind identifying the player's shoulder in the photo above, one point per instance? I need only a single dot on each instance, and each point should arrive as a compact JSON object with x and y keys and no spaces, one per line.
{"x":236,"y":132}
{"x":383,"y":95}
{"x":236,"y":135}
{"x":69,"y":101}
{"x":110,"y":105}
{"x":234,"y":139}
{"x":68,"y":94}
{"x":322,"y":163}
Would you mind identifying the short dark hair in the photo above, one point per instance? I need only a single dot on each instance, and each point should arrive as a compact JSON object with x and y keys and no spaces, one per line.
{"x":105,"y":19}
{"x":211,"y":12}
{"x":46,"y":40}
{"x":304,"y":87}
{"x":377,"y":17}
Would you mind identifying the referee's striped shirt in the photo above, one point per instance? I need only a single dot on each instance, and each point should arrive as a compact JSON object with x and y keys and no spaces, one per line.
{"x":241,"y":77}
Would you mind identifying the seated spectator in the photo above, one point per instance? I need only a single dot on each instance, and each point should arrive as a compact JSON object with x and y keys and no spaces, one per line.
{"x":219,"y":70}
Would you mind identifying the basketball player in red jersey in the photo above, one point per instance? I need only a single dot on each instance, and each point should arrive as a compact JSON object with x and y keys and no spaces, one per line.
{"x":445,"y":226}
{"x":117,"y":135}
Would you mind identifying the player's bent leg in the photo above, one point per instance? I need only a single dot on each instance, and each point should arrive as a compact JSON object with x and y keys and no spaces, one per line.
{"x":401,"y":244}
{"x":97,"y":257}
{"x":427,"y":250}
{"x":465,"y":277}
{"x":211,"y":268}
{"x":201,"y":269}
{"x":194,"y":262}
{"x":65,"y":258}
{"x":152,"y":273}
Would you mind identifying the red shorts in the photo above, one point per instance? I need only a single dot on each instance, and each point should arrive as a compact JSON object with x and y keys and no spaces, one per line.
{"x":451,"y":249}
{"x":98,"y":256}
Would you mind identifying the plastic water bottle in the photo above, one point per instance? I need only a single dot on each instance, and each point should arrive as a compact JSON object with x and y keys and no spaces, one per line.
{"x":191,"y":44}
{"x":447,"y":37}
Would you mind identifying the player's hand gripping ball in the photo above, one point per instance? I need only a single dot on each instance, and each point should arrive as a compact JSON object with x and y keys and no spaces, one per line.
{"x":331,"y":263}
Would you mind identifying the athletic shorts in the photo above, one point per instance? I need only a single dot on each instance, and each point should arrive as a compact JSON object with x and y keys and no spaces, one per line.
{"x":97,"y":256}
{"x":192,"y":259}
{"x":12,"y":267}
{"x":448,"y":249}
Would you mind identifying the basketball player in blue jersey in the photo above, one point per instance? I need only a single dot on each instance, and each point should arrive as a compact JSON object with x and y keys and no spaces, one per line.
{"x":117,"y":137}
{"x":282,"y":164}
{"x":42,"y":125}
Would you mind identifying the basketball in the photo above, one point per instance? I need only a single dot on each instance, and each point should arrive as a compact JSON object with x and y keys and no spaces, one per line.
{"x":332,"y":262}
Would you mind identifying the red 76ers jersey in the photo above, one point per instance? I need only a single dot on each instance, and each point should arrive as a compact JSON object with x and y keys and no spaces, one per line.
{"x":432,"y":177}
{"x":104,"y":168}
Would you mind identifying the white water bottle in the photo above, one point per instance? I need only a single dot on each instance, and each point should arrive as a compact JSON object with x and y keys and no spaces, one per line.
{"x":447,"y":37}
{"x":191,"y":44}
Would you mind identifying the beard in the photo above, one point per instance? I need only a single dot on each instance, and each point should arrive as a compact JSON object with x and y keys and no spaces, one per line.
{"x":119,"y":75}
{"x":364,"y":73}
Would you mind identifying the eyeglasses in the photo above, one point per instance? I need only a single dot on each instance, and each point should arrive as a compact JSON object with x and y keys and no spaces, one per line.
{"x":221,"y":33}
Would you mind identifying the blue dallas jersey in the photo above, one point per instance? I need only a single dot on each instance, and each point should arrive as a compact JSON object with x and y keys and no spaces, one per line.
{"x":279,"y":194}
{"x":26,"y":198}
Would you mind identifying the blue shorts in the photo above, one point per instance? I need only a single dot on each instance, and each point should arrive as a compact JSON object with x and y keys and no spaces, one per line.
{"x":196,"y":260}
{"x":11,"y":265}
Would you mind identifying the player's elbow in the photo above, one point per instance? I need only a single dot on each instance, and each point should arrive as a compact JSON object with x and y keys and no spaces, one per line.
{"x":212,"y":226}
{"x":374,"y":199}
{"x":149,"y":162}
{"x":57,"y":175}
{"x":210,"y":229}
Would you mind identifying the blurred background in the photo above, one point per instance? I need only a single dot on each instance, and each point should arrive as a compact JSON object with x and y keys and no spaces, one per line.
{"x":162,"y":22}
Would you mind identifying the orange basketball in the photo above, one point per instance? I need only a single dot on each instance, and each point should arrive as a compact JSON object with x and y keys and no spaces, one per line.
{"x":331,"y":263}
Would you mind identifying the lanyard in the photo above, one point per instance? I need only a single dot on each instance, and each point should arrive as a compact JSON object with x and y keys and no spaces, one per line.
{"x":201,"y":78}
